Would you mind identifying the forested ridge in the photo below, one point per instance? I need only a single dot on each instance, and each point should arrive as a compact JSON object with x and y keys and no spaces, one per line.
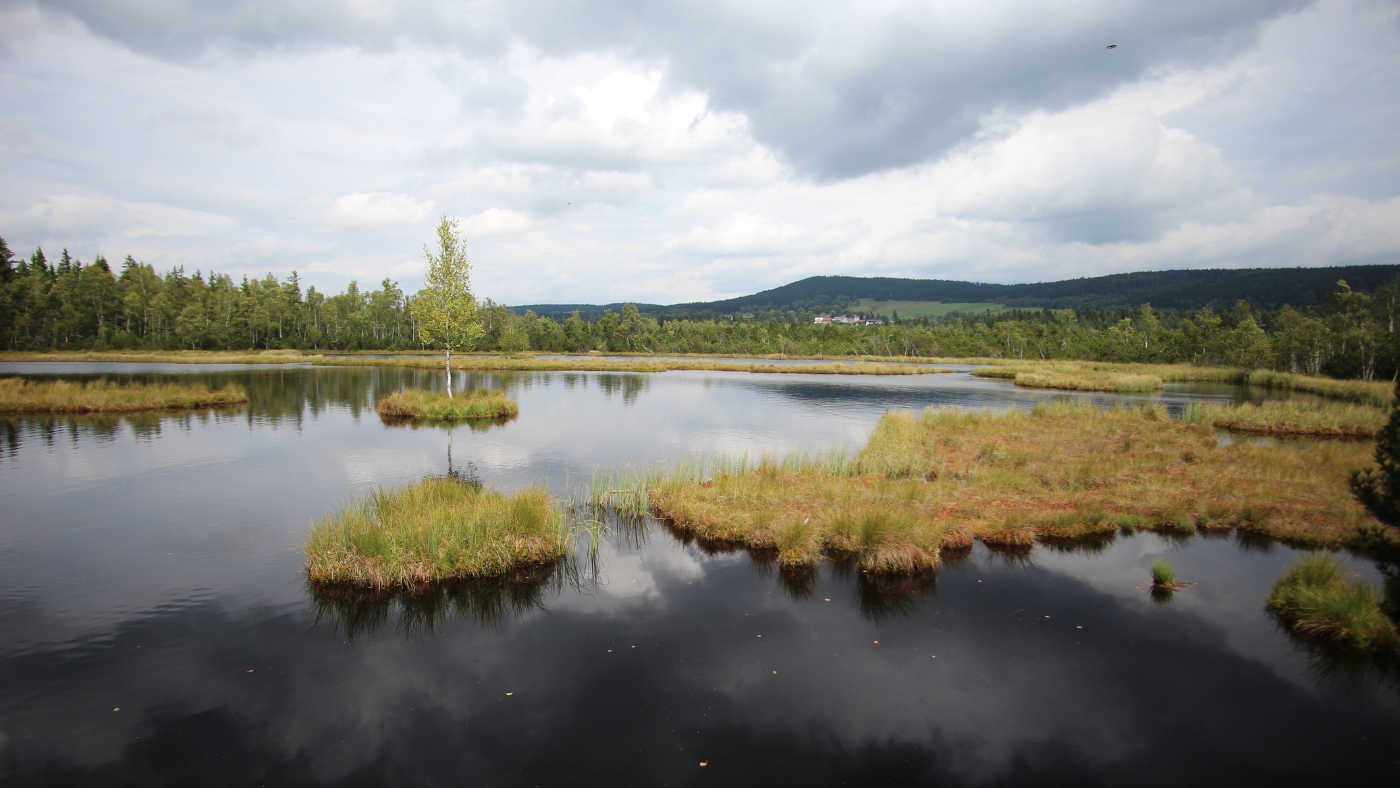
{"x":70,"y":305}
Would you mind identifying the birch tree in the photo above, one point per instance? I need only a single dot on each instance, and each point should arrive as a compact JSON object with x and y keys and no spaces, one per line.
{"x":445,"y":310}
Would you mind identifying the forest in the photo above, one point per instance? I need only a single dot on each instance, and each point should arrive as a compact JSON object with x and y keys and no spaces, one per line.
{"x":70,"y":305}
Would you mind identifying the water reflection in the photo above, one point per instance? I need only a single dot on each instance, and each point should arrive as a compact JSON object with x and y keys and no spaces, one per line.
{"x":357,"y":612}
{"x":153,"y":568}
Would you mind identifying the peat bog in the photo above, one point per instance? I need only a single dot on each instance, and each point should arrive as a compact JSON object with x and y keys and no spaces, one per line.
{"x":160,"y":625}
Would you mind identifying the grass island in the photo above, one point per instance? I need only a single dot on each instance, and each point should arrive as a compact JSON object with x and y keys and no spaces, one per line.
{"x":18,"y":395}
{"x":439,"y":406}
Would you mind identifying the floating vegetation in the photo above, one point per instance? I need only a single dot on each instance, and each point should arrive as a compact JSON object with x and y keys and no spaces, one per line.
{"x":439,"y":406}
{"x":18,"y":395}
{"x":1291,"y":417}
{"x":1314,"y":599}
{"x":437,"y":529}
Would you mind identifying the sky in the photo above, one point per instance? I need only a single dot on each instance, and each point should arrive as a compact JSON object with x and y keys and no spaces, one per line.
{"x":669,"y":152}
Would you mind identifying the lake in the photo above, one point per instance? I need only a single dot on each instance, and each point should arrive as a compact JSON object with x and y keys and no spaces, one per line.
{"x":157,"y":629}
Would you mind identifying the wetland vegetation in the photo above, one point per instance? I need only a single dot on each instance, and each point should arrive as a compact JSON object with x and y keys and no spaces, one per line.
{"x":441,"y":406}
{"x":1315,"y":599}
{"x":434,"y":530}
{"x":18,"y":395}
{"x":1062,"y":471}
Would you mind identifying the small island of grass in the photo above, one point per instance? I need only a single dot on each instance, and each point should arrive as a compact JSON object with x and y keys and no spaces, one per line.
{"x":18,"y":395}
{"x":1314,"y":599}
{"x":437,"y":529}
{"x":438,"y":406}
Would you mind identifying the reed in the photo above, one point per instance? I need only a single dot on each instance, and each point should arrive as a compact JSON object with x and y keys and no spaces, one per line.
{"x":18,"y":395}
{"x":437,"y":529}
{"x":438,"y":406}
{"x":1314,"y":599}
{"x":1120,"y":383}
{"x":1291,"y":417}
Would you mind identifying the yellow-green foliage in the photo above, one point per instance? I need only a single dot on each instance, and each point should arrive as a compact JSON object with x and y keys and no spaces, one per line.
{"x":587,"y":364}
{"x":1291,"y":417}
{"x":1121,"y":383}
{"x":437,"y":529}
{"x":1061,"y":471}
{"x":1316,"y":600}
{"x":62,"y":396}
{"x":435,"y":405}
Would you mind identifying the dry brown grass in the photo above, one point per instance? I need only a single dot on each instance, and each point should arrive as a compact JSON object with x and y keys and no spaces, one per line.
{"x":18,"y":395}
{"x":1061,"y":472}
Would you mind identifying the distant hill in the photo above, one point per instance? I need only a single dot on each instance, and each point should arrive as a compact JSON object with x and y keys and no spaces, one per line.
{"x":1192,"y":289}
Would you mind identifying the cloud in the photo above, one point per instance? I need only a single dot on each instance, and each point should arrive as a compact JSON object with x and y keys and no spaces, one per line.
{"x":376,"y":209}
{"x":494,"y":221}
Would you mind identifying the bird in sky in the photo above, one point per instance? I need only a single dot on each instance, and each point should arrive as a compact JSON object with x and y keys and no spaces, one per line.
{"x":1111,"y":46}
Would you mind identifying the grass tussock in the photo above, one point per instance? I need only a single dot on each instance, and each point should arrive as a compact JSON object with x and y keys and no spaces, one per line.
{"x":1062,"y":472}
{"x":594,"y":364}
{"x":1163,"y":574}
{"x":1291,"y":417}
{"x":437,"y":529}
{"x":18,"y":395}
{"x":1314,"y":599}
{"x":437,"y":406}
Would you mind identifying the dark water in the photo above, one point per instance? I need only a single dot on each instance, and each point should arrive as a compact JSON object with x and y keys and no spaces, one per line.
{"x":150,"y":564}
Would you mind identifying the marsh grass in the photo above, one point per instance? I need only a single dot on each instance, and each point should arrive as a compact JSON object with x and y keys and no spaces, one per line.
{"x":1136,"y":378}
{"x":437,"y":529}
{"x":1314,"y":599}
{"x":438,"y":406}
{"x":1291,"y":417}
{"x":18,"y":395}
{"x":933,"y":483}
{"x":163,"y":356}
{"x":1163,"y":575}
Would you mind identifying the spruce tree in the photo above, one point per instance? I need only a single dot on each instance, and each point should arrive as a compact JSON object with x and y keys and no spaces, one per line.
{"x":1378,"y":489}
{"x":7,"y":271}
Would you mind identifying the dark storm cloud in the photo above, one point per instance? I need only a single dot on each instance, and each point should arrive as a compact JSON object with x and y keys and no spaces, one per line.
{"x":836,"y":91}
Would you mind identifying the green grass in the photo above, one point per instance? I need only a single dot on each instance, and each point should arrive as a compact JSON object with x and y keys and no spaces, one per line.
{"x":1162,"y":573}
{"x":18,"y":395}
{"x":436,"y":529}
{"x":1315,"y":599}
{"x":1291,"y":417}
{"x":909,"y":310}
{"x":438,"y":406}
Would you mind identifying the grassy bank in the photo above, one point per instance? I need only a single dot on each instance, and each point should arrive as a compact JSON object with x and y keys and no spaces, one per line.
{"x":595,"y":364}
{"x":18,"y":395}
{"x":1290,"y":417}
{"x":1075,"y":379}
{"x":1314,"y":599}
{"x":436,"y":529}
{"x":1102,"y":376}
{"x":1062,"y":472}
{"x":435,"y":405}
{"x":164,"y":356}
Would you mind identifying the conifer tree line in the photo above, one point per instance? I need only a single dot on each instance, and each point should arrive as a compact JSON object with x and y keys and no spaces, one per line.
{"x":70,"y":305}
